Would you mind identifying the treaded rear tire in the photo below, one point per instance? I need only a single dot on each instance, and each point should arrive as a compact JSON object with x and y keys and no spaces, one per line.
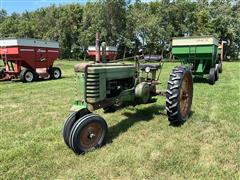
{"x":179,"y":95}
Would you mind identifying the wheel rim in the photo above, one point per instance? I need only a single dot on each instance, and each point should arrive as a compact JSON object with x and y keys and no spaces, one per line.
{"x":56,"y":73}
{"x":185,"y":95}
{"x":90,"y":135}
{"x":29,"y":76}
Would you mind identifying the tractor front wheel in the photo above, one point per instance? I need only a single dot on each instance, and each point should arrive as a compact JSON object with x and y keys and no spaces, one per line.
{"x":70,"y":121}
{"x":88,"y":133}
{"x":179,"y":95}
{"x":211,"y":76}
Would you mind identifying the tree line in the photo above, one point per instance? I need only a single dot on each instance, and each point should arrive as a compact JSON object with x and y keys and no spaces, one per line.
{"x":130,"y":25}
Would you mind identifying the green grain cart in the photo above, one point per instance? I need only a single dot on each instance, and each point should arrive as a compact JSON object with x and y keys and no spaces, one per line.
{"x":201,"y":54}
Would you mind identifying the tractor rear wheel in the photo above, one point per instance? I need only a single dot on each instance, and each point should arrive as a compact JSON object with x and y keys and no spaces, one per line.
{"x":55,"y":73}
{"x":88,"y":133}
{"x":27,"y":75}
{"x":69,"y":122}
{"x":179,"y":95}
{"x":211,"y":76}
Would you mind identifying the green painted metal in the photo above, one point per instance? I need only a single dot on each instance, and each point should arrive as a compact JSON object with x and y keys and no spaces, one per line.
{"x":79,"y":92}
{"x":78,"y":105}
{"x":97,"y":85}
{"x":98,"y":75}
{"x":199,"y":52}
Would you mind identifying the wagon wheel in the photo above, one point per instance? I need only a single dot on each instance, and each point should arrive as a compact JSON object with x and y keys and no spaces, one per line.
{"x":88,"y":133}
{"x":27,"y":75}
{"x":211,"y":76}
{"x":2,"y":73}
{"x":179,"y":95}
{"x":216,"y":72}
{"x":55,"y":73}
{"x":69,"y":122}
{"x":220,"y":67}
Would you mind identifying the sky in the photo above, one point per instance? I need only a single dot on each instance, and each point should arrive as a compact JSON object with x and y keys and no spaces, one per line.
{"x":20,"y":6}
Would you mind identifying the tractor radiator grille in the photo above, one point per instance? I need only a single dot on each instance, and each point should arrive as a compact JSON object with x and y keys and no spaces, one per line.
{"x":92,"y":85}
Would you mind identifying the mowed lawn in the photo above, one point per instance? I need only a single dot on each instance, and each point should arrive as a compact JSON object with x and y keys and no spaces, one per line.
{"x":141,"y":144}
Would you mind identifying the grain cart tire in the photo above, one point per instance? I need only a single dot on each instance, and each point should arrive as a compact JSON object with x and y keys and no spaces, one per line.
{"x":216,"y":72}
{"x":69,"y":122}
{"x":220,"y":67}
{"x":2,"y":73}
{"x":142,"y":92}
{"x":211,"y":76}
{"x":27,"y":75}
{"x":88,"y":133}
{"x":55,"y":73}
{"x":179,"y":95}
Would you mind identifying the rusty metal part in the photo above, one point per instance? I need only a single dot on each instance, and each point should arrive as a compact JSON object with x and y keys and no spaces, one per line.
{"x":80,"y":67}
{"x":185,"y":95}
{"x":90,"y":135}
{"x":97,"y":47}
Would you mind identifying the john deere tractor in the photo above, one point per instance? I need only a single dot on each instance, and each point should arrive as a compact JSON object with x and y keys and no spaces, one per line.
{"x":109,"y":85}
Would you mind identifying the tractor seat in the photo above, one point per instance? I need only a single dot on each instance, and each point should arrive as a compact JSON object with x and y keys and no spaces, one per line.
{"x":152,"y":66}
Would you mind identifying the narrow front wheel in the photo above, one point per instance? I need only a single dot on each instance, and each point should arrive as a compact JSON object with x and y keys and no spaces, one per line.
{"x":88,"y":133}
{"x":69,"y":123}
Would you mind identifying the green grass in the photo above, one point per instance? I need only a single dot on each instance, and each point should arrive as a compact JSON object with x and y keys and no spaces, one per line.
{"x":141,"y":143}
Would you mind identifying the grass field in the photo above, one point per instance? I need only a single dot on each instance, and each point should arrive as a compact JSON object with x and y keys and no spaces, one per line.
{"x":141,"y":144}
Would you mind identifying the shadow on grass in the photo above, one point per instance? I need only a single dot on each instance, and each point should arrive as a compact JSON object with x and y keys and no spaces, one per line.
{"x":146,"y":114}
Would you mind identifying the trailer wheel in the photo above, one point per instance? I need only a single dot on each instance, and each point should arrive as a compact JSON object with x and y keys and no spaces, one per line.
{"x":88,"y":133}
{"x":211,"y":76}
{"x":220,"y":67}
{"x":55,"y":73}
{"x":2,"y":73}
{"x":179,"y":95}
{"x":69,"y":122}
{"x":27,"y":75}
{"x":216,"y":72}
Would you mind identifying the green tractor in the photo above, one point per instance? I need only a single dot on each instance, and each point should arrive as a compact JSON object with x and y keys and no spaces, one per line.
{"x":201,"y":54}
{"x":110,"y":85}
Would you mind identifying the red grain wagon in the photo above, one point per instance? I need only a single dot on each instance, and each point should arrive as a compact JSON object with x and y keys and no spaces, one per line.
{"x":29,"y":59}
{"x":111,"y":52}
